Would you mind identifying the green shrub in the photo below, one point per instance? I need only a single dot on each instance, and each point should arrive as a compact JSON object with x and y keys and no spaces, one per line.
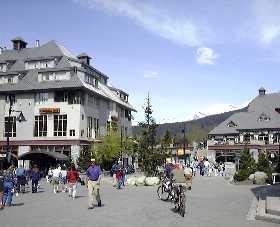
{"x":247,"y":166}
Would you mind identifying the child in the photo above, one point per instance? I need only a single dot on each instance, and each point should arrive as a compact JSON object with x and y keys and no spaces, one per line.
{"x":119,"y":175}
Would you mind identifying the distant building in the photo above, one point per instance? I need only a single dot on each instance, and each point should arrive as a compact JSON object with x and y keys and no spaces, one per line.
{"x":257,"y":129}
{"x":66,"y":102}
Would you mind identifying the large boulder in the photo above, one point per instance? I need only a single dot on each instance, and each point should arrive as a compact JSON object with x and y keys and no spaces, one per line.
{"x":252,"y":177}
{"x":151,"y":181}
{"x":131,"y":181}
{"x":140,"y":181}
{"x":260,"y":177}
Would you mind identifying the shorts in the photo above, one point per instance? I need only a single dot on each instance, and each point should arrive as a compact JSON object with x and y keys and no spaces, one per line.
{"x":55,"y":180}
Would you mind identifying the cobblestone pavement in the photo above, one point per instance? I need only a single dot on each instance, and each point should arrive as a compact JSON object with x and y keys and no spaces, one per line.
{"x":212,"y":203}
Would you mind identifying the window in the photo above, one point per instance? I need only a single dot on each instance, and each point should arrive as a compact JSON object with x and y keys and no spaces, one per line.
{"x":96,"y":127}
{"x":10,"y":80}
{"x":90,"y":100}
{"x":75,"y":97}
{"x":60,"y":125}
{"x":60,"y":96}
{"x":127,"y":114}
{"x":82,"y":133}
{"x":41,"y":125}
{"x":97,"y":102}
{"x":231,"y":124}
{"x":41,"y":97}
{"x":72,"y":132}
{"x":96,"y":83}
{"x":263,"y":117}
{"x":12,"y":98}
{"x":10,"y":127}
{"x":89,"y":127}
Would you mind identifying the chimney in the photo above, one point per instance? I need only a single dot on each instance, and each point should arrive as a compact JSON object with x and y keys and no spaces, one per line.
{"x":84,"y":58}
{"x":262,"y":91}
{"x":18,"y":43}
{"x":37,"y":43}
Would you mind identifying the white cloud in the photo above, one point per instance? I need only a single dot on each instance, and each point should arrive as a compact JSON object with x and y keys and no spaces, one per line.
{"x":206,"y":55}
{"x":178,"y":30}
{"x":268,"y":20}
{"x":151,"y":74}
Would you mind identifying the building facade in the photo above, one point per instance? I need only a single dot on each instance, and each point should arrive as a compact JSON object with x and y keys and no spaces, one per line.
{"x":66,"y":102}
{"x":257,"y":128}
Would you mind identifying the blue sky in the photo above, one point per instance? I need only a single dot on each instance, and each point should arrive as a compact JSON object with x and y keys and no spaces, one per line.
{"x":190,"y":55}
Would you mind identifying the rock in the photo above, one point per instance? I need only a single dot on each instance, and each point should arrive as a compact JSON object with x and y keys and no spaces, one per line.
{"x":151,"y":181}
{"x":140,"y":181}
{"x":131,"y":181}
{"x":260,"y":177}
{"x":252,"y":177}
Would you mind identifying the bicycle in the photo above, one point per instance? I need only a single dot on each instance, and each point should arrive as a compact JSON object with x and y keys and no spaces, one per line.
{"x":180,"y":199}
{"x":164,"y":191}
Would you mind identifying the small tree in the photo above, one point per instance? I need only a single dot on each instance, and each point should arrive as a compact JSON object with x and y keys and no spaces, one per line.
{"x":247,"y":166}
{"x":149,"y":155}
{"x":264,"y":166}
{"x":84,"y":158}
{"x":108,"y":150}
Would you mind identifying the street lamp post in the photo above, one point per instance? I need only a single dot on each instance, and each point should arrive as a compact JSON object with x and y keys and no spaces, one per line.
{"x":184,"y":131}
{"x":20,"y":118}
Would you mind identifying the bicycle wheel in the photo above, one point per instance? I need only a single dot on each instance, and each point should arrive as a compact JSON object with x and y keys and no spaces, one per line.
{"x":163,"y":193}
{"x":182,"y":209}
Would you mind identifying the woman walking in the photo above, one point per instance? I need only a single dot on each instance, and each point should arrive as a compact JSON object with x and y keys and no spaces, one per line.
{"x":72,"y":178}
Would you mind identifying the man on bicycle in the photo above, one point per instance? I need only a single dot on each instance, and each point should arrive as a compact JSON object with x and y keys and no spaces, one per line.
{"x":178,"y":177}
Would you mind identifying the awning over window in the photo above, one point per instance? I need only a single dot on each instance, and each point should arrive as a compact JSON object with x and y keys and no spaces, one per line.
{"x":33,"y":154}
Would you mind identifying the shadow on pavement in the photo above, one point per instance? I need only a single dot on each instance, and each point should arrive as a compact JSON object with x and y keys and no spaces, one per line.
{"x":266,"y":190}
{"x":17,"y":204}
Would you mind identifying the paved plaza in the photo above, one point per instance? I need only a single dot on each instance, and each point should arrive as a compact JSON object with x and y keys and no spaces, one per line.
{"x":212,"y":203}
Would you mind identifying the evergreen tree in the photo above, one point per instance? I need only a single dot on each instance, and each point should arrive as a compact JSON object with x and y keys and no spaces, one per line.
{"x":149,"y":155}
{"x":264,"y":165}
{"x":247,"y":166}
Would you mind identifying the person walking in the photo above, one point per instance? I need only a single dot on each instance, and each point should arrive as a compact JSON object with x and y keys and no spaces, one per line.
{"x":63,"y":179}
{"x":1,"y":189}
{"x":113,"y":172}
{"x":206,"y":167}
{"x":55,"y":178}
{"x":9,"y":184}
{"x":93,"y":184}
{"x":21,"y":180}
{"x":72,"y":178}
{"x":35,"y":177}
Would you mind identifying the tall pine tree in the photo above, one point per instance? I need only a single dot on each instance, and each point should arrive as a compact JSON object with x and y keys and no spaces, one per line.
{"x":149,"y":155}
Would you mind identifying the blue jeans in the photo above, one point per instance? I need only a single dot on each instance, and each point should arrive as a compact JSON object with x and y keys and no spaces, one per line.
{"x":8,"y":195}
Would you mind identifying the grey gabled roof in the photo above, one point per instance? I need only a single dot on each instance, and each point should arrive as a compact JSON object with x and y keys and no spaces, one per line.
{"x":28,"y":79}
{"x":250,"y":120}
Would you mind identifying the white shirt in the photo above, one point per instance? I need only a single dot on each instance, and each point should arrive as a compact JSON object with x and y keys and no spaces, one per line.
{"x":63,"y":173}
{"x":206,"y":164}
{"x":56,"y":172}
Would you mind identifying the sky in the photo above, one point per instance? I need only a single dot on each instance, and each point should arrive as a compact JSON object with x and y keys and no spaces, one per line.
{"x":191,"y":56}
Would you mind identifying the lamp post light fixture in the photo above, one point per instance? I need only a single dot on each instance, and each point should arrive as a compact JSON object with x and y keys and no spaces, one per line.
{"x":184,"y":132}
{"x":20,"y":118}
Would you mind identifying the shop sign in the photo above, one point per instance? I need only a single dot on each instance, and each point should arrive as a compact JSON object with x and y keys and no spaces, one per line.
{"x":180,"y":151}
{"x":49,"y":110}
{"x":2,"y":155}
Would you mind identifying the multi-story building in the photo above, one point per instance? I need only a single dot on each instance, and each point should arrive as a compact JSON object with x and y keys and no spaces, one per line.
{"x":65,"y":101}
{"x":257,"y":128}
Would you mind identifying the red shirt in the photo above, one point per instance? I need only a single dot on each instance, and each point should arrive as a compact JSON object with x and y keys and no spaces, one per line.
{"x":72,"y":176}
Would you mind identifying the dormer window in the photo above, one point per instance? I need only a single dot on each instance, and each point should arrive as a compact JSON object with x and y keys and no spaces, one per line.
{"x":231,"y":124}
{"x":263,"y":117}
